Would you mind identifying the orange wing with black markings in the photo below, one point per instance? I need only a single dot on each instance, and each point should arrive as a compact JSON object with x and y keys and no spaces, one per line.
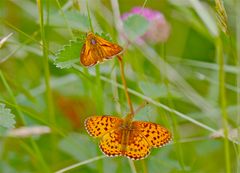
{"x":155,"y":134}
{"x":111,"y":143}
{"x":97,"y":49}
{"x":97,"y":126}
{"x":118,"y":138}
{"x":137,"y":146}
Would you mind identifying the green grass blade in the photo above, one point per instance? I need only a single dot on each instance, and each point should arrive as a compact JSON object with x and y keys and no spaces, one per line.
{"x":80,"y":164}
{"x":220,"y":58}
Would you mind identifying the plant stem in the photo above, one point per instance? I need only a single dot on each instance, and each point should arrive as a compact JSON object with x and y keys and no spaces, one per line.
{"x":64,"y":17}
{"x":125,"y":85}
{"x":237,"y":5}
{"x":98,"y":89}
{"x":49,"y":96}
{"x":80,"y":164}
{"x":30,"y":37}
{"x":89,"y":18}
{"x":132,"y":166}
{"x":12,"y":98}
{"x":115,"y":92}
{"x":144,"y":168}
{"x":220,"y":58}
{"x":46,"y":66}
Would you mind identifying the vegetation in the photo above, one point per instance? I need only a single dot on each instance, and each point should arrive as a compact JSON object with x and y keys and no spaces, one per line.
{"x":183,"y":59}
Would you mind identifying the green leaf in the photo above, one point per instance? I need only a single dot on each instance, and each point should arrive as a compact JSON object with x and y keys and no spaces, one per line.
{"x":135,"y":26}
{"x":74,"y":19}
{"x":77,"y":20}
{"x":6,"y":118}
{"x":105,"y":36}
{"x":69,"y":54}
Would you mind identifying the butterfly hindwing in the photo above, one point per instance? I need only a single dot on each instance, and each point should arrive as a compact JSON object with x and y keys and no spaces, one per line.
{"x":137,"y":146}
{"x":110,"y":143}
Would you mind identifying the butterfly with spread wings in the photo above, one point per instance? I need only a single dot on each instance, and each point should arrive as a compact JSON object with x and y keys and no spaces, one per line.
{"x":124,"y":137}
{"x":97,"y":49}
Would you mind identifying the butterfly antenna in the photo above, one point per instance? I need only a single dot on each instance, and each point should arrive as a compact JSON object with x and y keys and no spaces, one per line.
{"x":141,"y":106}
{"x":89,"y":18}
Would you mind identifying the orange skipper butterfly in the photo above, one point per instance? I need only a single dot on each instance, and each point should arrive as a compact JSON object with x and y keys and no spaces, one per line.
{"x":97,"y":49}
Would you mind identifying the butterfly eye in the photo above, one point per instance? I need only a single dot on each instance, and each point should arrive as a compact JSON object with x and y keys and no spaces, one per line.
{"x":93,"y":41}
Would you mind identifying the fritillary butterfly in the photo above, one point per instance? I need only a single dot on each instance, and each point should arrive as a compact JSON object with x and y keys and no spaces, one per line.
{"x":123,"y":137}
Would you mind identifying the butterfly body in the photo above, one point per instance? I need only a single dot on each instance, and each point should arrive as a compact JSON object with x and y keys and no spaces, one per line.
{"x":97,"y":49}
{"x":123,"y":137}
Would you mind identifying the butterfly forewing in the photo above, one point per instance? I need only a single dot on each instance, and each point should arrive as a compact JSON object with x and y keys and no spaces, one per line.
{"x":155,"y":134}
{"x":86,"y":56}
{"x":97,"y":126}
{"x":108,"y":49}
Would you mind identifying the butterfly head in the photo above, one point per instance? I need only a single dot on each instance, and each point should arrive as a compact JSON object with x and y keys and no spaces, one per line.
{"x":92,"y":38}
{"x":93,"y":41}
{"x":128,"y":121}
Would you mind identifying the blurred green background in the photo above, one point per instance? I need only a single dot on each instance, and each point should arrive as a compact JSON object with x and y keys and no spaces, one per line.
{"x":191,"y":81}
